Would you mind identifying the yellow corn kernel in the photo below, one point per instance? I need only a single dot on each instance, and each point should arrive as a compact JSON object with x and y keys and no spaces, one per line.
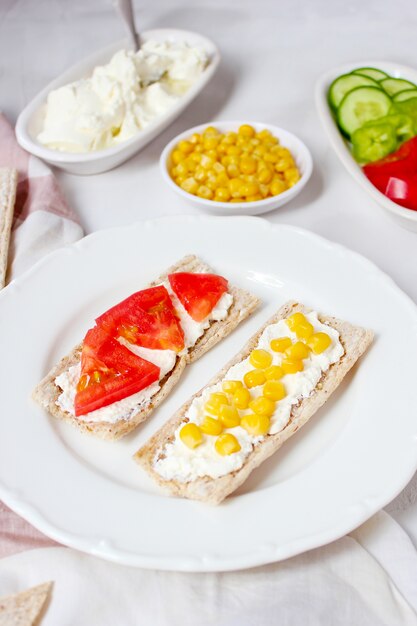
{"x":304,"y":330}
{"x":280,"y":344}
{"x":222,"y":194}
{"x":254,"y":378}
{"x":185,"y":146}
{"x":292,"y":175}
{"x":206,"y":162}
{"x":256,"y":425}
{"x":270,"y":157}
{"x":233,"y":151}
{"x":204,"y":192}
{"x":254,"y":198}
{"x":274,"y":390}
{"x":291,"y":366}
{"x":195,"y":138}
{"x":211,"y":426}
{"x":230,"y":138}
{"x":247,"y":165}
{"x":262,"y":406}
{"x":177,"y":156}
{"x":221,"y":149}
{"x":190,"y":163}
{"x":190,"y":185}
{"x":200,"y":174}
{"x":295,"y":319}
{"x":241,"y":398}
{"x":264,"y":176}
{"x":211,"y":182}
{"x":249,"y":189}
{"x":211,"y":130}
{"x":260,"y":359}
{"x":264,"y":134}
{"x":230,"y":386}
{"x":247,"y":131}
{"x":298,"y":350}
{"x":212,"y":154}
{"x":229,"y":416}
{"x":274,"y":372}
{"x":235,"y":186}
{"x":226,"y":444}
{"x":215,"y":401}
{"x":222,"y":180}
{"x":210,"y":142}
{"x":233,"y":170}
{"x":284,"y":163}
{"x":277,"y":187}
{"x":319,"y":342}
{"x":181,"y":169}
{"x":264,"y":190}
{"x":180,"y":179}
{"x":191,"y":435}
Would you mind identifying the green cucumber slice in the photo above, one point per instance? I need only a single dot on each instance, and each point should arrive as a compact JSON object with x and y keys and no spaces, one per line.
{"x":394,"y":85}
{"x":373,"y":141}
{"x":345,"y":83}
{"x":407,"y":94}
{"x":362,"y":105}
{"x":371,"y":72}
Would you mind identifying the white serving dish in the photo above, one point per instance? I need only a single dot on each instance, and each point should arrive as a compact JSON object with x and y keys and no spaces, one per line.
{"x":405,"y":217}
{"x":298,"y":149}
{"x":29,"y":122}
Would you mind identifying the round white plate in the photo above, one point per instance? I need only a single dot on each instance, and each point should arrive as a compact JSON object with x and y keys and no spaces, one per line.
{"x":351,"y":459}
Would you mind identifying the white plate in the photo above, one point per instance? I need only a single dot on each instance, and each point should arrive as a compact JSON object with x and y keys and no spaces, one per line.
{"x":29,"y":122}
{"x":352,"y":458}
{"x":405,"y":217}
{"x":298,"y":149}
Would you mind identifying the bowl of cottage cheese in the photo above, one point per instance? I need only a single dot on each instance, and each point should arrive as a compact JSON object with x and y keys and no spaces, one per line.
{"x":105,"y":109}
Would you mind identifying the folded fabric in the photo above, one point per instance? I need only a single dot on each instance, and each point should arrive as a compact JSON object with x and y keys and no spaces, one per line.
{"x":43,"y":221}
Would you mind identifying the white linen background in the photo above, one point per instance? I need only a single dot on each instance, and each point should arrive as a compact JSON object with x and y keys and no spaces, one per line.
{"x":272,"y":53}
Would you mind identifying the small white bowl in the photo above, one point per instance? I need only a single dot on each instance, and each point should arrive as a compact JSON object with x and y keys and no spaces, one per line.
{"x":297,"y":148}
{"x":29,"y":122}
{"x":404,"y":217}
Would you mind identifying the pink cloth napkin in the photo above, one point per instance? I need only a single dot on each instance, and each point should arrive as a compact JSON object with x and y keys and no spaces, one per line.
{"x":43,"y":221}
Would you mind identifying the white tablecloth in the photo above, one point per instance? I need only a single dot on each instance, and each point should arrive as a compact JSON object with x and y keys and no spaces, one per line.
{"x":272,"y":53}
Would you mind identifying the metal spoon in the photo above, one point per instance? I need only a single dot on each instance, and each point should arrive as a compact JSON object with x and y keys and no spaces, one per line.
{"x":125,"y":10}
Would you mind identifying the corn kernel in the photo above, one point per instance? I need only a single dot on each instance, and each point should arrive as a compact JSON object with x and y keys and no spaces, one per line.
{"x":304,"y":330}
{"x":190,"y":185}
{"x":241,"y":398}
{"x":230,"y":386}
{"x":254,"y":378}
{"x":256,"y":425}
{"x":181,"y":169}
{"x":247,"y":165}
{"x":319,"y":342}
{"x":280,"y":344}
{"x":230,"y":138}
{"x":222,"y":194}
{"x":283,"y":163}
{"x":295,"y":319}
{"x":264,"y":134}
{"x":177,"y":156}
{"x":211,"y":426}
{"x":234,"y":150}
{"x":204,"y":192}
{"x":185,"y":146}
{"x":254,"y":198}
{"x":226,"y":444}
{"x":191,"y":435}
{"x":274,"y":372}
{"x":270,"y":157}
{"x":235,"y":186}
{"x":249,"y":189}
{"x":229,"y":416}
{"x":222,"y":180}
{"x":200,"y":174}
{"x":217,"y":399}
{"x":292,"y":175}
{"x":195,"y":138}
{"x":277,"y":187}
{"x":206,"y":162}
{"x":210,"y":142}
{"x":265,"y":176}
{"x":260,"y":359}
{"x":233,"y":170}
{"x":291,"y":366}
{"x":274,"y":390}
{"x":298,"y":350}
{"x":246,"y":130}
{"x":211,"y":130}
{"x":262,"y":406}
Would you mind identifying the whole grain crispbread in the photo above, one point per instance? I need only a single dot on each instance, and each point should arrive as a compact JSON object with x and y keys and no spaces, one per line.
{"x":47,"y":392}
{"x":355,"y":341}
{"x":8,"y":185}
{"x":25,"y":608}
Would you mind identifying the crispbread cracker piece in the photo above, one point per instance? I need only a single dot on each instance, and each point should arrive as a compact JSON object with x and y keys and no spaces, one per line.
{"x":355,"y":341}
{"x":25,"y":608}
{"x":46,"y":393}
{"x":8,"y":185}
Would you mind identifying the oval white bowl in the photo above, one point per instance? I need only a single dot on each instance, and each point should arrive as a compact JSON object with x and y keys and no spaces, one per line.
{"x":29,"y":122}
{"x":405,"y":217}
{"x":298,"y":149}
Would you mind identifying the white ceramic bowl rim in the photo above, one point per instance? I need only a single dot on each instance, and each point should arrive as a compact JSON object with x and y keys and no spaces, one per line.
{"x":223,"y":125}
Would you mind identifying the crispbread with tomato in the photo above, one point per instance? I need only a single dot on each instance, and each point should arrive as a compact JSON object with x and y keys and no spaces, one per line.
{"x":137,"y":350}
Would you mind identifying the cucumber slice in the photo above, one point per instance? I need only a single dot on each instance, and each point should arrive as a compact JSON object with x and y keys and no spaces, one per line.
{"x":362,"y":105}
{"x":394,"y":85}
{"x":373,"y":141}
{"x":345,"y":83}
{"x":371,"y":72}
{"x":407,"y":94}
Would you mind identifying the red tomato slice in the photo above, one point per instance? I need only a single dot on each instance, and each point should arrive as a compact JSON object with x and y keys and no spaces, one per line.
{"x":146,"y":318}
{"x":109,"y":372}
{"x":198,"y":293}
{"x":403,"y":191}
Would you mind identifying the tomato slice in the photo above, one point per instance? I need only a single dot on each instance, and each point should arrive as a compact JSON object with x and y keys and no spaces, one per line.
{"x":109,"y":372}
{"x":403,"y":191}
{"x":198,"y":293}
{"x":146,"y":318}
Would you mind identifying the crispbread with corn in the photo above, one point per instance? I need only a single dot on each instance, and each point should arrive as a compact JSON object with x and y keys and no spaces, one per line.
{"x":8,"y":185}
{"x":47,"y":392}
{"x":355,"y":340}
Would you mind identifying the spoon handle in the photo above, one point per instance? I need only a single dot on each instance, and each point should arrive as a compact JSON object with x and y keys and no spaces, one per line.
{"x":125,"y":9}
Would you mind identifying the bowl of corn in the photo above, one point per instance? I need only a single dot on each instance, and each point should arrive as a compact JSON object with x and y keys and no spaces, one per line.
{"x":244,"y":168}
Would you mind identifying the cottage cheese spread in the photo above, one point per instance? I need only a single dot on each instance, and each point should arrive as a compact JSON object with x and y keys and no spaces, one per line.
{"x":178,"y":462}
{"x":164,"y":359}
{"x":121,"y":98}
